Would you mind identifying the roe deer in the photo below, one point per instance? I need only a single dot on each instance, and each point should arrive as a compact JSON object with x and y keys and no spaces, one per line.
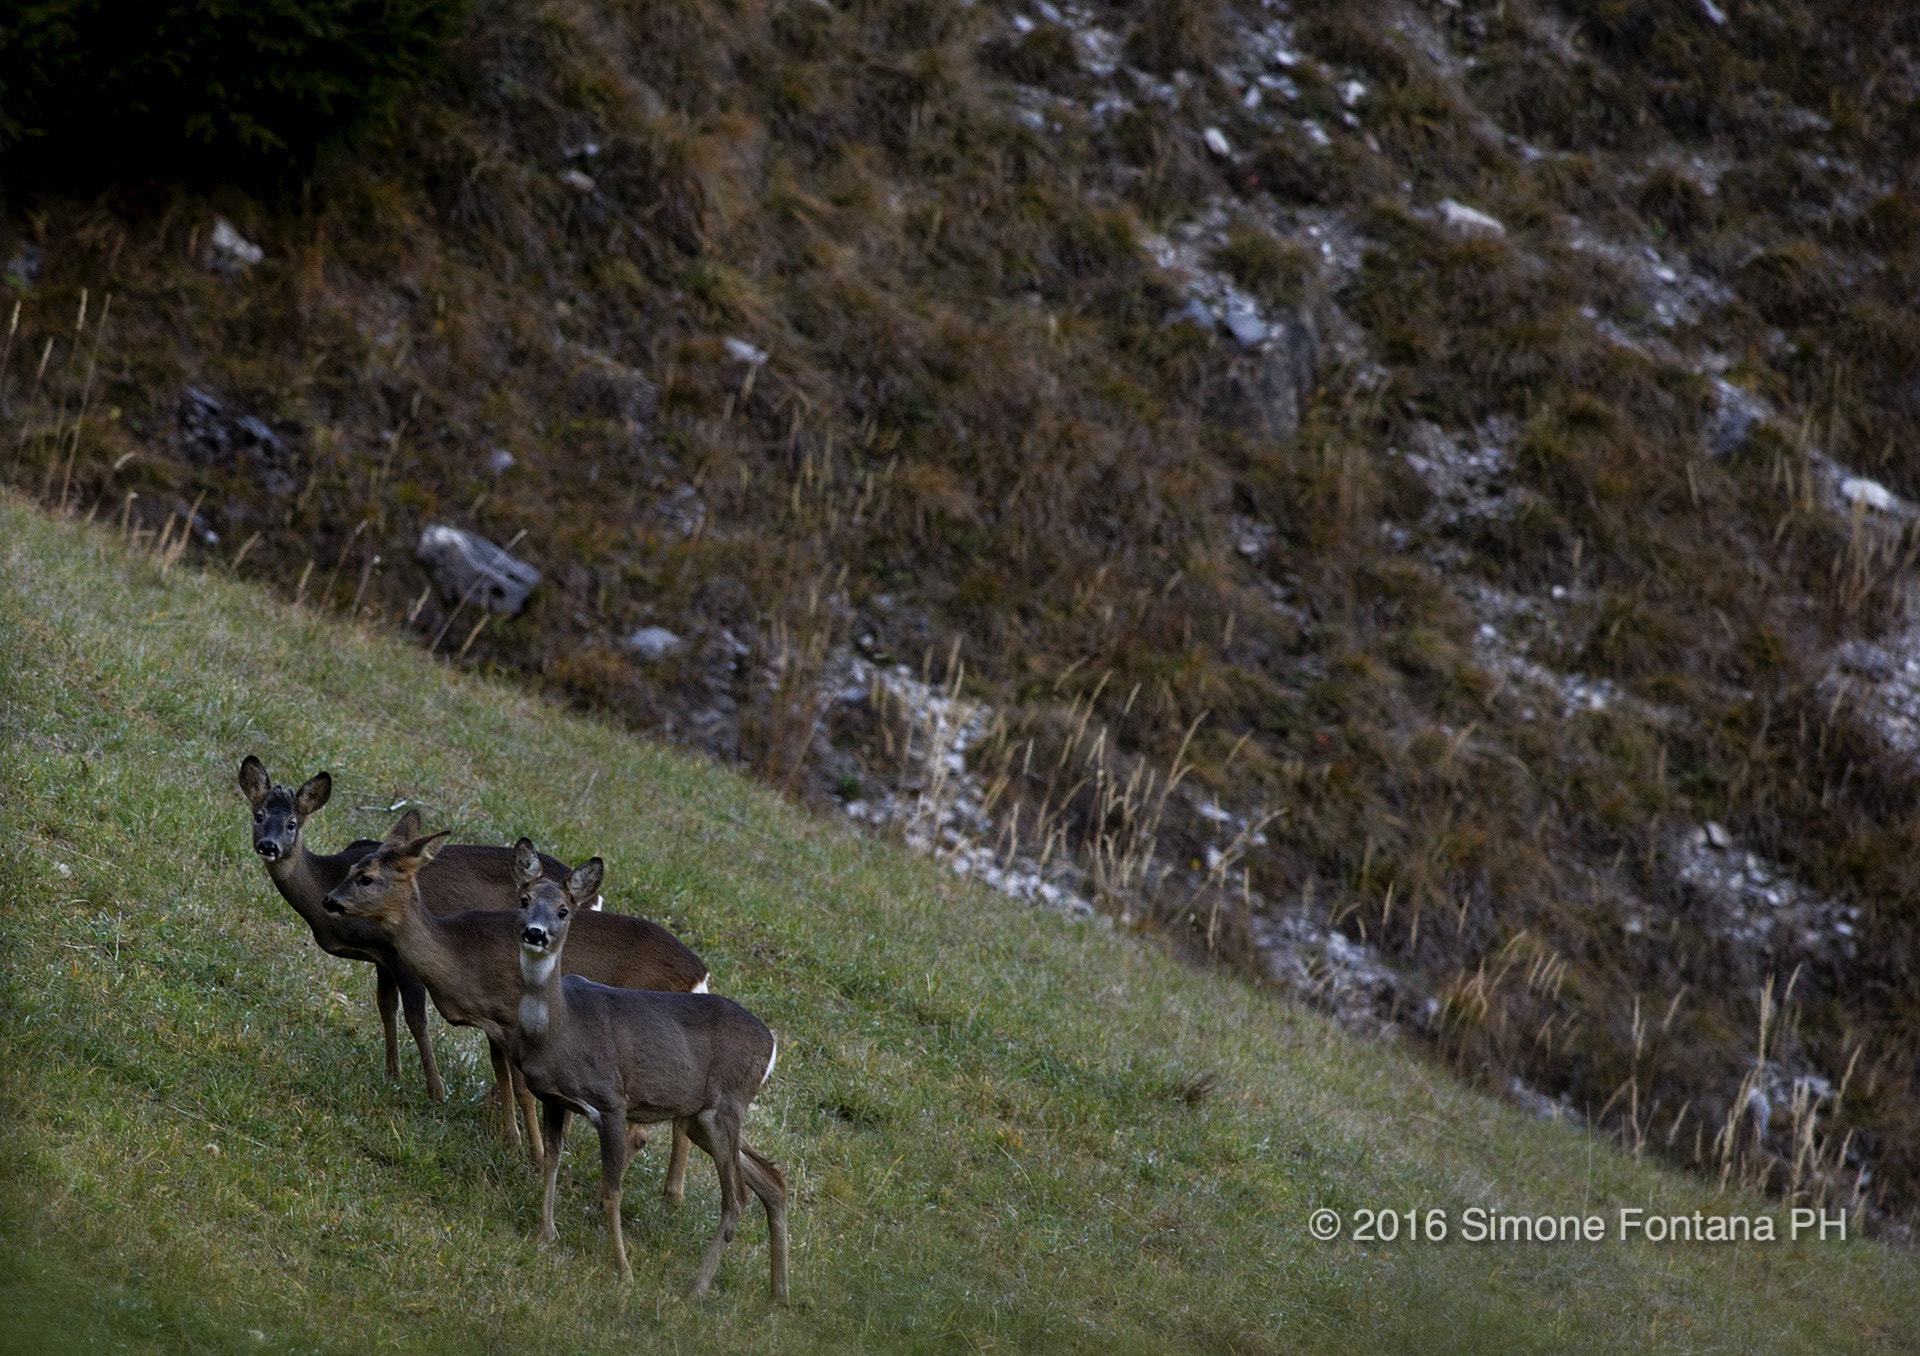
{"x":469,"y":960}
{"x":464,"y":877}
{"x":624,"y":1058}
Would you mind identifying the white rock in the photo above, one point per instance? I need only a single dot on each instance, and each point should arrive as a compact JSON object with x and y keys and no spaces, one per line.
{"x":468,"y":566}
{"x":1217,"y":143}
{"x":232,"y":251}
{"x":579,"y":181}
{"x":1316,"y":133}
{"x":741,"y":351}
{"x":500,"y":461}
{"x":1467,"y":220}
{"x":1351,"y":91}
{"x":653,"y":643}
{"x":1868,"y":493}
{"x":1243,"y":322}
{"x":1717,"y":836}
{"x":1714,"y":12}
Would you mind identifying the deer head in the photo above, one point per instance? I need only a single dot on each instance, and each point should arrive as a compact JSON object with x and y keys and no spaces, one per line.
{"x":279,"y":811}
{"x":380,"y":885}
{"x":545,"y":904}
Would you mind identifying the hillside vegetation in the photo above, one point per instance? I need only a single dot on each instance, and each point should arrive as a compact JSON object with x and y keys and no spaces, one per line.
{"x":1478,"y":433}
{"x":1005,"y":1129}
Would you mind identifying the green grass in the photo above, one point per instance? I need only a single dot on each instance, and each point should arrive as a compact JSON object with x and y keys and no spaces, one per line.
{"x":981,"y":1106}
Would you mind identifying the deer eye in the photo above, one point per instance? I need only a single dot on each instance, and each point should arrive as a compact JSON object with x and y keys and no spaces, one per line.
{"x":563,"y":913}
{"x":526,"y":901}
{"x":365,"y":879}
{"x":259,"y":816}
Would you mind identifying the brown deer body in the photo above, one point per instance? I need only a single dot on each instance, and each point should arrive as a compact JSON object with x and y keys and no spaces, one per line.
{"x":464,"y":877}
{"x":469,"y":961}
{"x":625,"y":1058}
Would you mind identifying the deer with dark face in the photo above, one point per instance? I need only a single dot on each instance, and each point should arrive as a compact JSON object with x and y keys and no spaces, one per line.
{"x":466,"y":876}
{"x":469,"y":961}
{"x":624,"y":1058}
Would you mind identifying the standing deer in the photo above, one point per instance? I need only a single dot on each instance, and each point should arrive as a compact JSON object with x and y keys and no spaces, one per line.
{"x":623,"y":1058}
{"x":469,"y":960}
{"x":465,"y":876}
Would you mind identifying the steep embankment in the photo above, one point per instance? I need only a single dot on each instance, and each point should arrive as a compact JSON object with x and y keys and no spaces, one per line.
{"x":1003,"y":1127}
{"x":1484,"y":424}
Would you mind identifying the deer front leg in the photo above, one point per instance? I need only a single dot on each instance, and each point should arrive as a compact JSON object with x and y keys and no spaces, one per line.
{"x":612,"y":1124}
{"x":387,"y":995}
{"x":503,"y":1085}
{"x":528,"y":1110}
{"x":413,"y":1002}
{"x":675,"y":1190}
{"x":555,"y":1115}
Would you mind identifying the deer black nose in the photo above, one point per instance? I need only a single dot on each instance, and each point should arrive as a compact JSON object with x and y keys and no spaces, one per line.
{"x":267,"y":848}
{"x":534,"y":935}
{"x":331,"y":905}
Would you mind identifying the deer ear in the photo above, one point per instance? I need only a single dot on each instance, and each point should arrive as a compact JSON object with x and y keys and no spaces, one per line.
{"x":584,"y":884}
{"x":254,"y":782}
{"x":526,"y":863}
{"x":311,"y":796}
{"x":423,"y":850}
{"x":406,"y":828}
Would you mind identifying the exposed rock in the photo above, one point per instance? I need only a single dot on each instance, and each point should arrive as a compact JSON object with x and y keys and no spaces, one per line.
{"x":229,"y":251}
{"x":468,"y":566}
{"x":684,"y":509}
{"x":1541,"y":1106}
{"x":1324,"y":966}
{"x":212,"y":434}
{"x":614,"y":389}
{"x":1868,"y":494}
{"x":741,"y":351}
{"x":1755,"y":907}
{"x":1469,"y":475}
{"x":1867,"y":660}
{"x":579,"y":181}
{"x":1736,"y":412}
{"x":1266,"y":389}
{"x":1217,"y":143}
{"x":1464,"y":220}
{"x":654,"y":643}
{"x":23,"y":270}
{"x":500,"y":461}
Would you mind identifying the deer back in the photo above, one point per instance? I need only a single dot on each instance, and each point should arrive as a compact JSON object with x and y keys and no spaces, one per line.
{"x":628,"y":952}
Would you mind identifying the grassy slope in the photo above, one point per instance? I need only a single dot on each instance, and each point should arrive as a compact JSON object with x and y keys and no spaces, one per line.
{"x":979,"y":1105}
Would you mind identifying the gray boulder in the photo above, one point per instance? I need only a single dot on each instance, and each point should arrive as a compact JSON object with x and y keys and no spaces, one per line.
{"x":467,"y":565}
{"x":1266,"y":389}
{"x":654,"y":643}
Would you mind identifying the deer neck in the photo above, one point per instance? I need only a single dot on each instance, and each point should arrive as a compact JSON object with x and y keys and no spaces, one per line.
{"x":543,"y":1000}
{"x":421,"y":940}
{"x":301,"y":880}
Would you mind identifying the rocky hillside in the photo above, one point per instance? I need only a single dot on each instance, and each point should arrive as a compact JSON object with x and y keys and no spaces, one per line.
{"x":1414,"y":499}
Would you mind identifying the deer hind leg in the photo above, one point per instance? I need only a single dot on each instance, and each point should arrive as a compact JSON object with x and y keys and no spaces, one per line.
{"x":612,"y":1124}
{"x":387,"y":995}
{"x":767,"y":1182}
{"x":719,"y":1134}
{"x":555,"y":1115}
{"x":675,"y":1190}
{"x":413,"y":1002}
